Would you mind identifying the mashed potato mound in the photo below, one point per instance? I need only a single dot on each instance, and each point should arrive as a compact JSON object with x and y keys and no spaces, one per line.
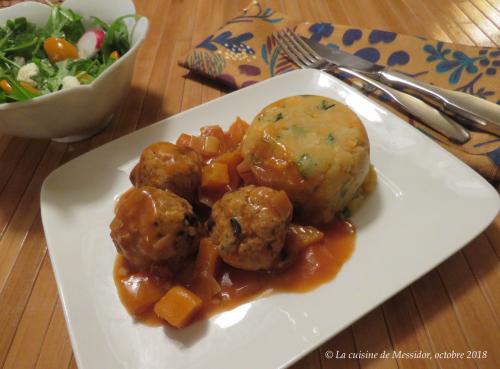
{"x":314,"y":148}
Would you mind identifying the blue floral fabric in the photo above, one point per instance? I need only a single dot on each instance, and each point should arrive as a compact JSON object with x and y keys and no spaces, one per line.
{"x":243,"y":52}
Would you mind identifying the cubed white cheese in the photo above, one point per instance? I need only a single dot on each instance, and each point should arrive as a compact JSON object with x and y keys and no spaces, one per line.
{"x":70,"y":82}
{"x":26,"y":72}
{"x":19,"y":60}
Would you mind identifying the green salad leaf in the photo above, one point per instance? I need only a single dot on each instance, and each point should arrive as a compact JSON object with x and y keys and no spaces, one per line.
{"x":117,"y":36}
{"x":65,"y":23}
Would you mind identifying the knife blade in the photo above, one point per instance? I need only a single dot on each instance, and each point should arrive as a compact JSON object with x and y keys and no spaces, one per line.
{"x":480,"y":113}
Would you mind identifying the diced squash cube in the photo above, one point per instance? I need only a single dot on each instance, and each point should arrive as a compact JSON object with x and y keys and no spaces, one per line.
{"x":211,"y":146}
{"x":140,"y":292}
{"x":178,"y":306}
{"x":232,"y":159}
{"x":237,"y":131}
{"x":184,"y":140}
{"x":205,"y":286}
{"x":207,"y":258}
{"x":245,"y":172}
{"x":215,"y":131}
{"x":215,"y":176}
{"x":299,"y":237}
{"x":193,"y":142}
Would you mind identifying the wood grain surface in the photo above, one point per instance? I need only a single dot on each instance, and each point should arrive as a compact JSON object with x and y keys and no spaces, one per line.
{"x":455,"y":307}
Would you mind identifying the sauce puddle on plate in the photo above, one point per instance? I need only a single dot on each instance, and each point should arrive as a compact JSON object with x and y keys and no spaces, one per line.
{"x":315,"y":265}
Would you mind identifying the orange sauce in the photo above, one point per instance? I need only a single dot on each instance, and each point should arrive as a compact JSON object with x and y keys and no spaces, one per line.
{"x":314,"y":266}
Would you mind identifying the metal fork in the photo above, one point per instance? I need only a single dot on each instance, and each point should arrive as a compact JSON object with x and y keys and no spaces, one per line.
{"x":302,"y":55}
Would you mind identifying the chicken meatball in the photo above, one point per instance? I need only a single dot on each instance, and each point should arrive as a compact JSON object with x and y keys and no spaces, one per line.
{"x":169,"y":167}
{"x":314,"y":148}
{"x":154,"y":227}
{"x":249,"y":227}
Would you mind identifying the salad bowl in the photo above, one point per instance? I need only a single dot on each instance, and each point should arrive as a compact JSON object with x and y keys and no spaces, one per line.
{"x":77,"y":113}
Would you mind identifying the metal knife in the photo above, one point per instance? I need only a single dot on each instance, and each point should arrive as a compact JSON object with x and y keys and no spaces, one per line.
{"x":417,"y":108}
{"x":480,"y":114}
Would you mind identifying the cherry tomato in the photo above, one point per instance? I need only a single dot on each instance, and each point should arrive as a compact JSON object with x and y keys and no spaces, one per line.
{"x":29,"y":87}
{"x":85,"y":78}
{"x":58,"y":49}
{"x":5,"y":85}
{"x":114,"y":55}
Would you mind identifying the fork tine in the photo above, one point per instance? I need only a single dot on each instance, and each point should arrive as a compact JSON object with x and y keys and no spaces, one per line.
{"x":298,"y":44}
{"x":305,"y":46}
{"x":290,"y":51}
{"x":292,"y":44}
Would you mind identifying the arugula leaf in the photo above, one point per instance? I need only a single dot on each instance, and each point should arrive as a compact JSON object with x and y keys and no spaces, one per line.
{"x":105,"y":65}
{"x":6,"y":63}
{"x":25,"y":46}
{"x":47,"y":70}
{"x":65,"y":23}
{"x":20,"y":38}
{"x":73,"y":29}
{"x":117,"y":38}
{"x":97,"y":22}
{"x":85,"y":66}
{"x":51,"y":76}
{"x":6,"y":33}
{"x":19,"y":25}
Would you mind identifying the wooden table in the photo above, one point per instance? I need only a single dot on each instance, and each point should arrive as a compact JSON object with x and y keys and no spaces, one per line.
{"x":455,"y":307}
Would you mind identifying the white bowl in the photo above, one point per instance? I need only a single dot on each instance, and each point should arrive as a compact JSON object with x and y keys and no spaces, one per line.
{"x":79,"y":112}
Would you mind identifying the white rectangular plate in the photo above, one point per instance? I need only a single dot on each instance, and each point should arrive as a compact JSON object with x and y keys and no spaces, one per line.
{"x":428,"y":205}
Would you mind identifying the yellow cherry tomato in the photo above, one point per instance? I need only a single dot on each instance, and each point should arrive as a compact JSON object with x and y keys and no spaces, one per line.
{"x":29,"y":87}
{"x":58,"y":49}
{"x":85,"y":78}
{"x":114,"y":55}
{"x":5,"y":85}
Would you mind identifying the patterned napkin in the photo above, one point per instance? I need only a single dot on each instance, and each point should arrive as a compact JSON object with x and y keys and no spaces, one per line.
{"x":242,"y":52}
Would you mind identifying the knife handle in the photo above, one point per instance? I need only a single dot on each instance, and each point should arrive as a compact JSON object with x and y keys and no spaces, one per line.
{"x":482,"y":114}
{"x":419,"y":109}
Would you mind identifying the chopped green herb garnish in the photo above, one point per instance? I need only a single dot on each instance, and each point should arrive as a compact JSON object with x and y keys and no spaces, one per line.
{"x":325,"y":106}
{"x":306,"y":165}
{"x":345,"y":213}
{"x":330,"y":139}
{"x":236,"y":227}
{"x":298,"y":130}
{"x":278,"y":117}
